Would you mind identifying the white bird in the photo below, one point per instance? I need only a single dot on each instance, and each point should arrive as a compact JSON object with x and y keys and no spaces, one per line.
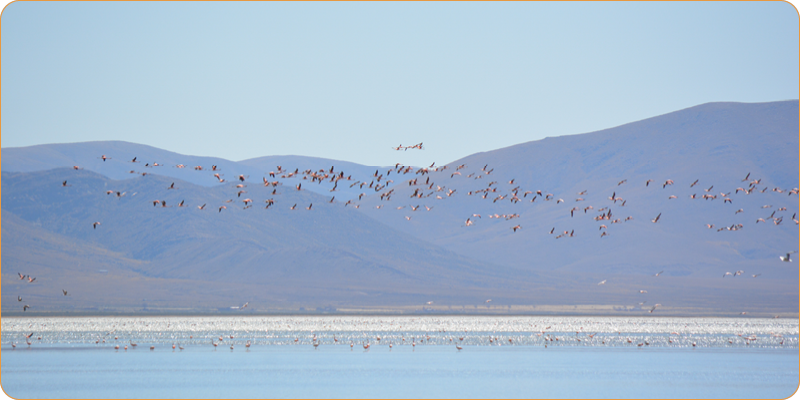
{"x":788,"y":257}
{"x":603,"y":282}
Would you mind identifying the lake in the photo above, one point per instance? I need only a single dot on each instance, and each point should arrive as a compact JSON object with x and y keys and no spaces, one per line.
{"x":415,"y":357}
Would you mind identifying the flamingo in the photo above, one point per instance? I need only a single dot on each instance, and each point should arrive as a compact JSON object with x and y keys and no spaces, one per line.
{"x":94,"y":225}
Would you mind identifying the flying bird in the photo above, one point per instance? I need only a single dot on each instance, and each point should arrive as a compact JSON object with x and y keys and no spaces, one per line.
{"x":656,"y":218}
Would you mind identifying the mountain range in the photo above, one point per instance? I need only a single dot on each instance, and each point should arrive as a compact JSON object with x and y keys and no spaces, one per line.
{"x":397,"y":238}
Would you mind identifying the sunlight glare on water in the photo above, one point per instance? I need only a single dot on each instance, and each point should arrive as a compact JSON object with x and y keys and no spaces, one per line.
{"x":400,"y":330}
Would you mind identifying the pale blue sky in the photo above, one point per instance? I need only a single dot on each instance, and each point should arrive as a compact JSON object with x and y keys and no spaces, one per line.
{"x":350,"y":80}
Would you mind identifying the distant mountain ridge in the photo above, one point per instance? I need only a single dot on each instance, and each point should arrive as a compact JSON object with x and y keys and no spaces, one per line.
{"x":87,"y":155}
{"x":369,"y":244}
{"x":716,"y":144}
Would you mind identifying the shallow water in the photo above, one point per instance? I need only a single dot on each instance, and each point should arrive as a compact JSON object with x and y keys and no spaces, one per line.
{"x":500,"y":357}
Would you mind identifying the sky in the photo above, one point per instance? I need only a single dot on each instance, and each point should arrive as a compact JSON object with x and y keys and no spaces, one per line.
{"x":349,"y":81}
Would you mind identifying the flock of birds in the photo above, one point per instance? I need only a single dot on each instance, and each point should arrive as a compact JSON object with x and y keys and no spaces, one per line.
{"x":424,"y":187}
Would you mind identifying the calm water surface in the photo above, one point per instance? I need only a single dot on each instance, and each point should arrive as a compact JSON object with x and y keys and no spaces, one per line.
{"x":507,"y":357}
